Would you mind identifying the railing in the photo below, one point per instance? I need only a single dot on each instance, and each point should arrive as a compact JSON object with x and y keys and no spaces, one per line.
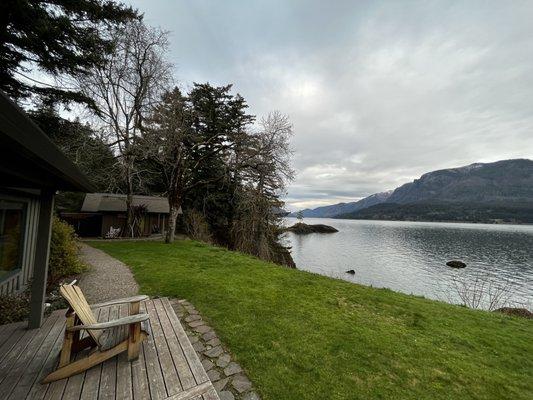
{"x":10,"y":283}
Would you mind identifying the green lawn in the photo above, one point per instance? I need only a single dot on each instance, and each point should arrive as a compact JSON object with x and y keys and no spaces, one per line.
{"x":304,"y":336}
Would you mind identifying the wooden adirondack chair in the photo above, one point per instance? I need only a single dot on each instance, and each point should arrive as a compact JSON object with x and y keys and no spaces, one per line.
{"x":106,"y":339}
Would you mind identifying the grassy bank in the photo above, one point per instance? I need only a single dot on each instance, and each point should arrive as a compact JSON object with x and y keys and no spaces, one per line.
{"x":304,"y":336}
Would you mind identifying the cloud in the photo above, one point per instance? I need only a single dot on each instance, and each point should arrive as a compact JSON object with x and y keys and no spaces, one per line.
{"x":379,"y":92}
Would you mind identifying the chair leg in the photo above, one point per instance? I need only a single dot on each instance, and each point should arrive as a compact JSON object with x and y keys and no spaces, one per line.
{"x":84,"y":364}
{"x":134,"y":337}
{"x":66,"y":350}
{"x":134,"y":341}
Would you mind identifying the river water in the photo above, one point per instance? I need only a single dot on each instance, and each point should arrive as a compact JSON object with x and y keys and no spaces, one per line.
{"x":411,"y":257}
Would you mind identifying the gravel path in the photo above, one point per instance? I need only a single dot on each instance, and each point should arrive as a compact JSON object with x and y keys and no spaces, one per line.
{"x":107,"y":278}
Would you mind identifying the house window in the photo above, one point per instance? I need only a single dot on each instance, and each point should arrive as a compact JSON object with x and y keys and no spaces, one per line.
{"x":11,"y":236}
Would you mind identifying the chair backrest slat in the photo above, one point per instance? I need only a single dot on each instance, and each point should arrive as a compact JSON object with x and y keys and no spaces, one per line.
{"x":78,"y":303}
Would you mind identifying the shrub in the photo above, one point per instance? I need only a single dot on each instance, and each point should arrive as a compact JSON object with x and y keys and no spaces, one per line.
{"x":197,"y":227}
{"x":63,"y":252}
{"x":14,"y":308}
{"x":63,"y":262}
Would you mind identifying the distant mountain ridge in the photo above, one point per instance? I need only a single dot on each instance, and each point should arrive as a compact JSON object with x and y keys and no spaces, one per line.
{"x":481,"y":192}
{"x":343,"y":208}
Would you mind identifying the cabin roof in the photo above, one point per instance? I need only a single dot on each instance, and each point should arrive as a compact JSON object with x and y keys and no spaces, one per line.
{"x":112,"y":202}
{"x":29,"y":159}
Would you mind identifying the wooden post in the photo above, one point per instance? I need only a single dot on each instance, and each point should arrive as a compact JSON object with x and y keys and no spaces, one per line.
{"x":42,"y":252}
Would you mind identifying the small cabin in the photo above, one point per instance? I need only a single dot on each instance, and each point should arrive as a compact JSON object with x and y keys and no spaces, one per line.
{"x":104,"y":213}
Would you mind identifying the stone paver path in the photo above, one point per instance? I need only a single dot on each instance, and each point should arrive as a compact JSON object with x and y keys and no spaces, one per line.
{"x":107,"y":278}
{"x":229,"y":379}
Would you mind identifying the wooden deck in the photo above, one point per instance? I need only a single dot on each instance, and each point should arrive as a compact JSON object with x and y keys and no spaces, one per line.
{"x":168,"y":367}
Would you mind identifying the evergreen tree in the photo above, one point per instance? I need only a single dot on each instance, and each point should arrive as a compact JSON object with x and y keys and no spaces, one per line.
{"x":227,"y":178}
{"x":57,"y":38}
{"x":220,"y":121}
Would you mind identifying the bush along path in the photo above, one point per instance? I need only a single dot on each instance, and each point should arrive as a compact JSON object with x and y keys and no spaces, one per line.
{"x":227,"y":376}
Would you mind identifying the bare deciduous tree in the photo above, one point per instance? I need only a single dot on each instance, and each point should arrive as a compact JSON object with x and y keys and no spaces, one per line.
{"x":197,"y":227}
{"x":125,"y":88}
{"x":265,"y":169}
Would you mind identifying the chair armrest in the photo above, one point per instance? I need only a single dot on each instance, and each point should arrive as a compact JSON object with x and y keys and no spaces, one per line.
{"x":133,"y":299}
{"x":133,"y":319}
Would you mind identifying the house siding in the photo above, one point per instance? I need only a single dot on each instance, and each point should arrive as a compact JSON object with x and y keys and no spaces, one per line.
{"x":118,"y":220}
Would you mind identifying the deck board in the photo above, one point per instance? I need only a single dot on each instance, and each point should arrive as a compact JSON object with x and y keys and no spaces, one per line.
{"x":167,"y":368}
{"x":14,"y":368}
{"x":5,"y":335}
{"x":32,"y":371}
{"x":124,"y":390}
{"x":190,"y":354}
{"x":107,"y":388}
{"x":153,"y":367}
{"x":183,"y":369}
{"x":172,"y":382}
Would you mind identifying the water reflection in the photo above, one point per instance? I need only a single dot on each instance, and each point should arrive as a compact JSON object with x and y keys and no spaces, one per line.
{"x":411,"y":256}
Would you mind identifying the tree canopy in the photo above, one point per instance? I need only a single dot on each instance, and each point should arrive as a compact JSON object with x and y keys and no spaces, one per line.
{"x":202,"y":148}
{"x":56,"y":38}
{"x":206,"y":155}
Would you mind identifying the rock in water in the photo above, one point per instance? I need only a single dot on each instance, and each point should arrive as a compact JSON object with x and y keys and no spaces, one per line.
{"x":456,"y":264}
{"x":302,"y":228}
{"x":350,"y":271}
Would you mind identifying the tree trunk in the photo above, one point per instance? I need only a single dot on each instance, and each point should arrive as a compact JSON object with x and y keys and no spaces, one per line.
{"x":174,"y":202}
{"x":130,"y":223}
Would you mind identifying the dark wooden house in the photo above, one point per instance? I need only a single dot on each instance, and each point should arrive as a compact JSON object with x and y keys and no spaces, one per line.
{"x":101,"y":213}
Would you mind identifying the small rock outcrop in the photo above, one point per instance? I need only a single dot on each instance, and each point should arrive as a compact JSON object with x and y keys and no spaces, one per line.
{"x":303,"y":229}
{"x":456,"y":264}
{"x":350,"y":271}
{"x":516,"y":312}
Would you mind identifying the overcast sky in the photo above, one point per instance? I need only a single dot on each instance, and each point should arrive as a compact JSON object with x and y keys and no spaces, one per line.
{"x":378,"y":92}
